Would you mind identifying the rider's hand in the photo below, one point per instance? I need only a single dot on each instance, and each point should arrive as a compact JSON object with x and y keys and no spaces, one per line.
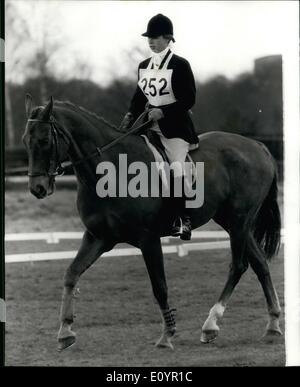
{"x":127,"y":120}
{"x":155,"y":114}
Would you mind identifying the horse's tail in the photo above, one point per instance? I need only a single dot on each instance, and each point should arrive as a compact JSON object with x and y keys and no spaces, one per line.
{"x":267,"y":224}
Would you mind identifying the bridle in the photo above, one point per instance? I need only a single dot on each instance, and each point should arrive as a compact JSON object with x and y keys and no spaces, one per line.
{"x":55,"y":167}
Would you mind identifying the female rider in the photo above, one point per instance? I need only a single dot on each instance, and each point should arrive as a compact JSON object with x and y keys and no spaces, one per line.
{"x":166,"y":84}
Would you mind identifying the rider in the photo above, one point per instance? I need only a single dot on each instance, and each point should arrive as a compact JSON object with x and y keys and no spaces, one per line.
{"x":166,"y":85}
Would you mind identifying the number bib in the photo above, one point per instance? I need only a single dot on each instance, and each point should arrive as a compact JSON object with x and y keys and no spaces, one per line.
{"x":156,"y":84}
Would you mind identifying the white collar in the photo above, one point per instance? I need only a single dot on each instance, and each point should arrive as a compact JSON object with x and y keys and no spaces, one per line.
{"x":158,"y":57}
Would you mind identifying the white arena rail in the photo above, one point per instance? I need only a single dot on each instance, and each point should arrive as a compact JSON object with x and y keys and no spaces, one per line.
{"x":55,"y":237}
{"x":49,"y":237}
{"x":181,"y":250}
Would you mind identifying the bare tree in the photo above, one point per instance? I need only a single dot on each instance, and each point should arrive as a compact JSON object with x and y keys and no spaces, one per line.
{"x":34,"y":40}
{"x":16,"y":32}
{"x":127,"y":61}
{"x":47,"y":41}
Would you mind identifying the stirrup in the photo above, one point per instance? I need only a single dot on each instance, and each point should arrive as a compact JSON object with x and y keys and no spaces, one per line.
{"x":177,"y":230}
{"x":184,"y":231}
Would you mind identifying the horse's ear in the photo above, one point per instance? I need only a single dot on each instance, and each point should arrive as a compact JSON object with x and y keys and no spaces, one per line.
{"x":28,"y":104}
{"x":48,"y":110}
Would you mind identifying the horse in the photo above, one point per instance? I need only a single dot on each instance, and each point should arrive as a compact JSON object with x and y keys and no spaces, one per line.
{"x":240,"y":179}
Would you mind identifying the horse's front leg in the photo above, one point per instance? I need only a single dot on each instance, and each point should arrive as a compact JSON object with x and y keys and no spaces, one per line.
{"x":153,"y":256}
{"x":90,"y":249}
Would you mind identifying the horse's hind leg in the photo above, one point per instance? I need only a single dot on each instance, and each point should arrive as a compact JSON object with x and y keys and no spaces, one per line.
{"x":259,"y":265}
{"x":210,"y":328}
{"x":153,"y":256}
{"x":90,"y":249}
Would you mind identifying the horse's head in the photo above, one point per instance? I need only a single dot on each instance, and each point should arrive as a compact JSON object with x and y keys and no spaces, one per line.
{"x":44,"y":150}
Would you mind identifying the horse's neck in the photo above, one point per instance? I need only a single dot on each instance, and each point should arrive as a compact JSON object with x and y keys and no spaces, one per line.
{"x":85,"y":137}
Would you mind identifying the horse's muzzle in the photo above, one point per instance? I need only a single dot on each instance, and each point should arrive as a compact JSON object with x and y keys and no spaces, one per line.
{"x":39,"y":191}
{"x":41,"y":187}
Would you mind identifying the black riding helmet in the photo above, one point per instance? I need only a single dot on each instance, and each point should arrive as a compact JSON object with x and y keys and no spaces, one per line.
{"x":159,"y":25}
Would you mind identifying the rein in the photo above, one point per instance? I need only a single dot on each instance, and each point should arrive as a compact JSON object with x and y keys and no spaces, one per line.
{"x":56,"y":169}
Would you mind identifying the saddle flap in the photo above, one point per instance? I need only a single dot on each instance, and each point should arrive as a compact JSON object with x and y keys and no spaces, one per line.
{"x":154,"y":144}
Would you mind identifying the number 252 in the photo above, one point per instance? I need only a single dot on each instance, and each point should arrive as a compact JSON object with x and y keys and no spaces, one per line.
{"x":152,"y":87}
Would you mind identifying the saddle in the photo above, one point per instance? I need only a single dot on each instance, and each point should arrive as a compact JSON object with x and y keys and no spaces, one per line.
{"x":153,"y":141}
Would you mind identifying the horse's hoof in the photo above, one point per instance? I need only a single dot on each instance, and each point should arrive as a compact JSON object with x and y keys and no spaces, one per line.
{"x":164,"y":342}
{"x":209,"y":336}
{"x":272,"y":335}
{"x":65,"y":342}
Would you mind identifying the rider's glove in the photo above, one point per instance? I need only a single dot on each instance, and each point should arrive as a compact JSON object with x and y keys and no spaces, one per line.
{"x":127,"y":120}
{"x":155,"y":114}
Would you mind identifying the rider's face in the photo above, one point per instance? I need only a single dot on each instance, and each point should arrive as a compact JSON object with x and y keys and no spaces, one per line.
{"x":158,"y":44}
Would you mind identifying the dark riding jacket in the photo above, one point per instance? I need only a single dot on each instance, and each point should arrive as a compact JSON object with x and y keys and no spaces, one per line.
{"x":177,"y":120}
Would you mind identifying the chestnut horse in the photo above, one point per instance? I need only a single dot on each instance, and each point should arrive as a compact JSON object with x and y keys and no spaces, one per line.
{"x":240,"y":183}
